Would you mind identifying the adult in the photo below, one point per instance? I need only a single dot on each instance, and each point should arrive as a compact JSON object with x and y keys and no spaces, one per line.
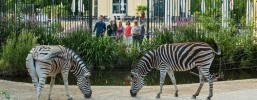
{"x":128,"y":33}
{"x":111,"y":30}
{"x":135,"y":33}
{"x":120,"y":32}
{"x":100,"y":27}
{"x":142,"y":31}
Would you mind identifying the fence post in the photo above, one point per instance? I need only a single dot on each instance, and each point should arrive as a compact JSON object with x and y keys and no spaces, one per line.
{"x":90,"y":15}
{"x":147,"y":20}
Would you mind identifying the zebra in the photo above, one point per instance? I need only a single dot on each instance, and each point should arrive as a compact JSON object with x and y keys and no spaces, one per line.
{"x":176,"y":57}
{"x":48,"y":60}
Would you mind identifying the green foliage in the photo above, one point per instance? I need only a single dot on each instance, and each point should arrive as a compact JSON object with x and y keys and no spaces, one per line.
{"x":56,"y":10}
{"x":237,"y":47}
{"x":100,"y":52}
{"x":7,"y":26}
{"x":16,"y":49}
{"x":5,"y":93}
{"x":48,"y":35}
{"x":140,"y":9}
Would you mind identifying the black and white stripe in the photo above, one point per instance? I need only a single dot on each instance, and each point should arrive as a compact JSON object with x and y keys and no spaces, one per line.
{"x":176,"y":57}
{"x":47,"y":60}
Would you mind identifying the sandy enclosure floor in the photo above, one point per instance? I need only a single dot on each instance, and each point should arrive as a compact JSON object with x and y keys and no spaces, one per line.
{"x":223,"y":89}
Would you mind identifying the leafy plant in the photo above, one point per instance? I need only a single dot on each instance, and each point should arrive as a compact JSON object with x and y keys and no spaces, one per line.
{"x":140,"y":10}
{"x":96,"y":52}
{"x":5,"y":93}
{"x":16,"y":49}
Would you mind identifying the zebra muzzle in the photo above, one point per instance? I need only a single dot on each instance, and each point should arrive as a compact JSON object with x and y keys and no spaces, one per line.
{"x":133,"y":94}
{"x":88,"y":95}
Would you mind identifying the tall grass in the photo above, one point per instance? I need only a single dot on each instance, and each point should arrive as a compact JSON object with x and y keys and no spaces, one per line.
{"x":16,"y":49}
{"x":99,"y":53}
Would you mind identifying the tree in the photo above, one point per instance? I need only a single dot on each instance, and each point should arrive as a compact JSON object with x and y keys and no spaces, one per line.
{"x":141,"y":10}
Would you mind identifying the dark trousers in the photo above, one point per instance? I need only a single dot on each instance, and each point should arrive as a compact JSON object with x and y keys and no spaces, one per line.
{"x":99,"y":35}
{"x":135,"y":40}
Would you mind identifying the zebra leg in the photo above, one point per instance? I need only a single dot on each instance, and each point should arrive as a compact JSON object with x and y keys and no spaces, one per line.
{"x":30,"y":65}
{"x":163,"y":71}
{"x":65,"y":74}
{"x":34,"y":78}
{"x":40,"y":86}
{"x":208,"y":76}
{"x":51,"y":87}
{"x":202,"y":79}
{"x":172,"y":77}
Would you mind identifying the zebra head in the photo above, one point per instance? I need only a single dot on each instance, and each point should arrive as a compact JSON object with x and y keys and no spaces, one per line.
{"x":137,"y":83}
{"x":84,"y":85}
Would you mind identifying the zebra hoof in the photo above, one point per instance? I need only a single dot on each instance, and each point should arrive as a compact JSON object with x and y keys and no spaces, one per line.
{"x":193,"y":97}
{"x":176,"y":95}
{"x":158,"y":96}
{"x":208,"y":99}
{"x":70,"y":98}
{"x":49,"y":99}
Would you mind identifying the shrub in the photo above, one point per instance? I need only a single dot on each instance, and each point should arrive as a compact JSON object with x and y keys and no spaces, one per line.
{"x":16,"y":49}
{"x":99,"y":53}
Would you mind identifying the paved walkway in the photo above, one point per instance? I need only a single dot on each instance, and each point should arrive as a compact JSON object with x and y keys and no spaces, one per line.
{"x":224,"y":90}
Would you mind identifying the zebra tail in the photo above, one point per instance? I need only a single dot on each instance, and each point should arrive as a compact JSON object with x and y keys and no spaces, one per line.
{"x":50,"y":56}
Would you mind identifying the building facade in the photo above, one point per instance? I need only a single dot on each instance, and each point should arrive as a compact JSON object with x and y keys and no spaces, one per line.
{"x":113,"y":7}
{"x":168,"y":9}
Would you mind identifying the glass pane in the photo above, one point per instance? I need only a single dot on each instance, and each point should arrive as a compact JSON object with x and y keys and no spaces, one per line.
{"x":115,"y":9}
{"x":115,"y":1}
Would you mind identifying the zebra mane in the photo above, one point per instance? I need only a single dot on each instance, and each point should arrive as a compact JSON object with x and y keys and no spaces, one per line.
{"x":141,"y":55}
{"x":73,"y":54}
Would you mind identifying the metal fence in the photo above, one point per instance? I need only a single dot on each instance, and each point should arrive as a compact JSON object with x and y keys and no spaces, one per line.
{"x":171,"y":14}
{"x":69,"y":15}
{"x":59,"y":15}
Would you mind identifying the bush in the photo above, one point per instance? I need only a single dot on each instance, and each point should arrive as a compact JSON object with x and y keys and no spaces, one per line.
{"x":96,"y":52}
{"x":16,"y":50}
{"x":237,"y":47}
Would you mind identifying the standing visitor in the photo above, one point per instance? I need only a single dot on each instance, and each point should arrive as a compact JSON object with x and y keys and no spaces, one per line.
{"x":111,"y":30}
{"x":142,"y":31}
{"x":128,"y":33}
{"x":135,"y":34}
{"x":100,"y":27}
{"x":120,"y":32}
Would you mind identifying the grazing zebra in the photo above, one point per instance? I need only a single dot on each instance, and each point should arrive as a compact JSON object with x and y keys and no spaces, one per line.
{"x":45,"y":60}
{"x":176,"y":57}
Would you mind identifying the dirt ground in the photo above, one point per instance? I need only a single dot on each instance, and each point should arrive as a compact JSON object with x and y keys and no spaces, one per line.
{"x":25,"y":91}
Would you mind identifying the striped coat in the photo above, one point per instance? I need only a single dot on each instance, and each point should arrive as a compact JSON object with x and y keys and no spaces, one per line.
{"x":48,"y":60}
{"x":176,"y":57}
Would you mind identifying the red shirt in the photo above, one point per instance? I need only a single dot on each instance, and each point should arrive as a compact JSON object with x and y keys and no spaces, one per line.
{"x":128,"y":31}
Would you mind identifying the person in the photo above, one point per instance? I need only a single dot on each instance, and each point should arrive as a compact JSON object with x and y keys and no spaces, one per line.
{"x":100,"y":27}
{"x":115,"y":24}
{"x":142,"y":31}
{"x":111,"y":30}
{"x":128,"y":34}
{"x":135,"y":33}
{"x":120,"y":32}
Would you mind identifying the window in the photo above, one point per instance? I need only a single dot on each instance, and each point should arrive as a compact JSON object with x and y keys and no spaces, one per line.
{"x":116,"y":7}
{"x":95,"y":7}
